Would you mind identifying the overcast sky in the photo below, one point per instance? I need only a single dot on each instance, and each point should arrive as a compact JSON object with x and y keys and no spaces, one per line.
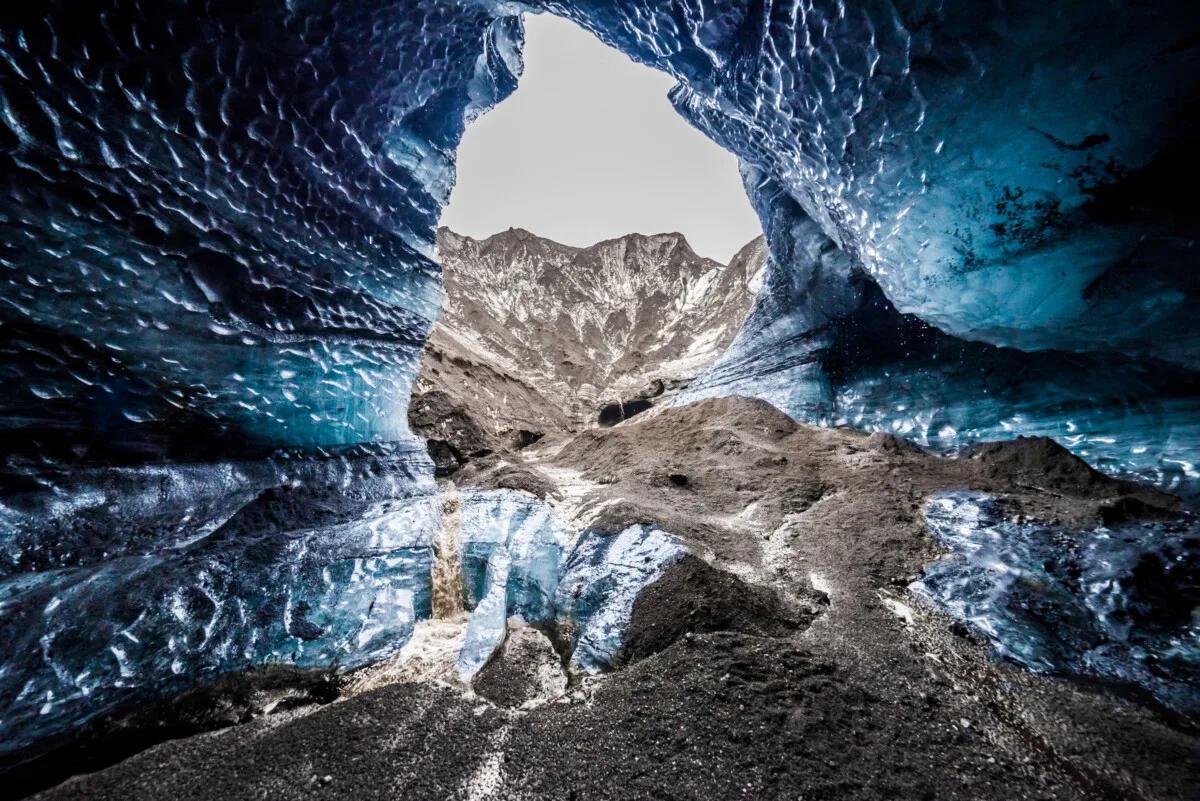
{"x":589,"y":148}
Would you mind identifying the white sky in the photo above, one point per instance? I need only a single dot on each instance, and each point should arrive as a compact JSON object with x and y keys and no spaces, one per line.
{"x":589,"y":148}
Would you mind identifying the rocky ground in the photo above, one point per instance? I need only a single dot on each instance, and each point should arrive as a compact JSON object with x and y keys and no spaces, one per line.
{"x":785,"y":658}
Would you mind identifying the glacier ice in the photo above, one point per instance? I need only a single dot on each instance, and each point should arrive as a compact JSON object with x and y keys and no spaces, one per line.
{"x":510,"y":562}
{"x":218,"y":223}
{"x":1111,"y":603}
{"x":601,"y":580}
{"x":323,"y":565}
{"x":825,"y":344}
{"x":1007,"y":175}
{"x":527,"y":529}
{"x":216,"y":228}
{"x":513,"y":565}
{"x":488,"y":624}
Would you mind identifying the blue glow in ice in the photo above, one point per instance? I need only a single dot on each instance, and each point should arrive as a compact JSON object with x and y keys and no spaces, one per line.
{"x":217,"y":223}
{"x":510,"y":561}
{"x":1117,"y":604}
{"x":601,"y":580}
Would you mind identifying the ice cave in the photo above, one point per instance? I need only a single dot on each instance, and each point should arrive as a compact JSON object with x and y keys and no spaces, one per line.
{"x":897,"y":503}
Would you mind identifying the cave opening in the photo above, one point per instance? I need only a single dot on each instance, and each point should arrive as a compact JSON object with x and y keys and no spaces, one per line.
{"x":218,"y":272}
{"x":598,"y":254}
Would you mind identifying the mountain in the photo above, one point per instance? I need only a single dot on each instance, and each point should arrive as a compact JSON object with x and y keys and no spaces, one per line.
{"x":538,"y":336}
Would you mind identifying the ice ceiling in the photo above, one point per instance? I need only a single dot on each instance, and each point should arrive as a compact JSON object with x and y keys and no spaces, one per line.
{"x":216,"y":228}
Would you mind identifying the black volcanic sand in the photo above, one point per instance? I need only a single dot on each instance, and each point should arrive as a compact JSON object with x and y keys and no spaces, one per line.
{"x":525,"y":668}
{"x":774,"y":667}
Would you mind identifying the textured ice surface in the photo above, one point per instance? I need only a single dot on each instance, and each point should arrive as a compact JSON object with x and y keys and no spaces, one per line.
{"x":601,"y":580}
{"x":512,"y":565}
{"x":487,"y":626}
{"x":1117,"y":604}
{"x":525,"y":527}
{"x":217,"y":219}
{"x":310,"y":563}
{"x":216,"y":222}
{"x":510,"y":559}
{"x":1019,"y":174}
{"x":825,"y":345}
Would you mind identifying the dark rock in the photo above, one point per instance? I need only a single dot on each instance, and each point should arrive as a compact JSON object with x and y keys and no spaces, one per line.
{"x":299,"y":626}
{"x":617,"y":412}
{"x":1036,"y":461}
{"x":521,"y":439}
{"x":525,"y":668}
{"x":230,"y":700}
{"x":1131,"y":508}
{"x":446,"y":460}
{"x":693,"y":597}
{"x":435,"y":415}
{"x":890,"y":443}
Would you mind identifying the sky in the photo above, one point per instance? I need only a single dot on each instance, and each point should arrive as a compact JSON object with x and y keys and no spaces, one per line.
{"x":589,"y":148}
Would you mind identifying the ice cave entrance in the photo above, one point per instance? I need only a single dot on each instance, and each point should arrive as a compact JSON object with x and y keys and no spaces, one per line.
{"x":595,"y":241}
{"x":589,"y":148}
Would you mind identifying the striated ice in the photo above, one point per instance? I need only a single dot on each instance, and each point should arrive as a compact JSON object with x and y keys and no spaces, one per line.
{"x":487,"y":626}
{"x":825,"y":345}
{"x":524,"y":527}
{"x":601,"y":580}
{"x":510,"y":562}
{"x":513,"y":566}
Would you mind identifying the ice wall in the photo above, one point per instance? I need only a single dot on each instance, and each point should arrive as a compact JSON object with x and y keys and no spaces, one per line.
{"x":216,"y":222}
{"x":1016,"y":173}
{"x":518,"y":559}
{"x":511,"y":554}
{"x":826,"y":345}
{"x":1115,"y":604}
{"x":319,"y":563}
{"x":216,"y":228}
{"x":600,"y":582}
{"x":218,"y":218}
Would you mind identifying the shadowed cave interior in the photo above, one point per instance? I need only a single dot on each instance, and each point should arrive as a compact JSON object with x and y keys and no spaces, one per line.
{"x":907,"y":483}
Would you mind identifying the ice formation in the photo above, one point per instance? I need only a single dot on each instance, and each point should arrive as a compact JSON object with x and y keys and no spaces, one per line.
{"x":513,"y":565}
{"x":239,"y":566}
{"x":826,"y":345}
{"x":600,"y":582}
{"x":216,"y":227}
{"x":510,"y":563}
{"x":1116,"y":604}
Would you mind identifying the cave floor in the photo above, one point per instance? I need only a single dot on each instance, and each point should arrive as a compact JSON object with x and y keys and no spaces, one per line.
{"x":867,"y":694}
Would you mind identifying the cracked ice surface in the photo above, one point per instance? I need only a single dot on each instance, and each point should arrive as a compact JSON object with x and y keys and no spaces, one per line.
{"x":1116,"y":604}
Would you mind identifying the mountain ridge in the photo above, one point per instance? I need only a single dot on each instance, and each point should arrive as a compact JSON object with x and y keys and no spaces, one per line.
{"x":538,"y":337}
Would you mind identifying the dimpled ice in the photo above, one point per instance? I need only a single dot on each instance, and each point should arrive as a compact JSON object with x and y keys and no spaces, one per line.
{"x":216,"y":234}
